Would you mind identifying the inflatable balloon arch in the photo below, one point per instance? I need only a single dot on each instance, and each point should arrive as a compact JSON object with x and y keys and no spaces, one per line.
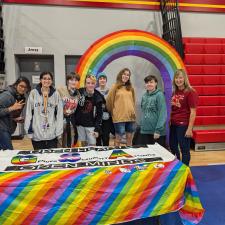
{"x":132,"y":43}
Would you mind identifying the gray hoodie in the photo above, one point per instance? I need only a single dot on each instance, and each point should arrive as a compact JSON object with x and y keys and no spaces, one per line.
{"x":38,"y":125}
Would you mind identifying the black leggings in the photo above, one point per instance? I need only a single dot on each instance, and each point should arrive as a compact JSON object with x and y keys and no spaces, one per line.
{"x":148,"y":139}
{"x":44,"y":144}
{"x":107,"y":128}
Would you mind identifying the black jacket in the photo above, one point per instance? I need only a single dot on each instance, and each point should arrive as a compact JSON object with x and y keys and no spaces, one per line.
{"x":7,"y":98}
{"x":89,"y":110}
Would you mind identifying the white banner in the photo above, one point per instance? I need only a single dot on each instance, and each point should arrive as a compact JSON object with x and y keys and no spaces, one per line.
{"x":70,"y":158}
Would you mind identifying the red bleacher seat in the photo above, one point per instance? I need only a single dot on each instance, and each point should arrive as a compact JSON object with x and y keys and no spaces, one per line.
{"x":205,"y":69}
{"x":203,"y":40}
{"x":214,"y":59}
{"x":210,"y":110}
{"x":207,"y":79}
{"x":214,"y":48}
{"x":205,"y":63}
{"x":205,"y":59}
{"x":193,"y":48}
{"x":209,"y":120}
{"x":211,"y":100}
{"x":194,"y":59}
{"x":209,"y":136}
{"x":193,"y":40}
{"x":210,"y":89}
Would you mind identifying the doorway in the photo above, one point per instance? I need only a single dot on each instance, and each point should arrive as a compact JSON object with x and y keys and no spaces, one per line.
{"x":31,"y":66}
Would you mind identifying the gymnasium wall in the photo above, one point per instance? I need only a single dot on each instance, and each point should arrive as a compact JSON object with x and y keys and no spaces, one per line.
{"x":64,"y":31}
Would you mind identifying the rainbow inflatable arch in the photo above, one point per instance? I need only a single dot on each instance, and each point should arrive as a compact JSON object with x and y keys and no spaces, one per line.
{"x":132,"y":43}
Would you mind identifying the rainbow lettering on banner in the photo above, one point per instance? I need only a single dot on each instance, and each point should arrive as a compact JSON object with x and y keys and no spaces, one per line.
{"x":132,"y":43}
{"x":69,"y":157}
{"x":118,"y":153}
{"x":24,"y":159}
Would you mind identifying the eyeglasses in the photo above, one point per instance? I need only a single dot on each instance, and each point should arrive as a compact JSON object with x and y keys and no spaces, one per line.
{"x":22,"y":86}
{"x":46,"y":79}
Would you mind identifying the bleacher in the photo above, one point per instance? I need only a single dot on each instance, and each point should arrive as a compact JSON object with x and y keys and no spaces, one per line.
{"x":205,"y":63}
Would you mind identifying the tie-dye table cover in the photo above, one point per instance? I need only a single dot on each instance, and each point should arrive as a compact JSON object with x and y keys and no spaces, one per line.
{"x":99,"y":195}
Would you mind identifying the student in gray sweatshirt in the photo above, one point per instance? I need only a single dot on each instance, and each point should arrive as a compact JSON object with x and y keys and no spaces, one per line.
{"x":44,"y":114}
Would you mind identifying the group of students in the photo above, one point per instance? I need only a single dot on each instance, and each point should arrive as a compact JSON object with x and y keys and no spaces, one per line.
{"x":91,"y":113}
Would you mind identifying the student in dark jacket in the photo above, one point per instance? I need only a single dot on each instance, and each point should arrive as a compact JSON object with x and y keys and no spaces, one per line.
{"x":12,"y":101}
{"x":107,"y":124}
{"x":88,"y":115}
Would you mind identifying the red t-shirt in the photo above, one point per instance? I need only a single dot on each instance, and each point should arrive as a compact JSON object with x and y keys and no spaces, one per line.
{"x":182,"y":101}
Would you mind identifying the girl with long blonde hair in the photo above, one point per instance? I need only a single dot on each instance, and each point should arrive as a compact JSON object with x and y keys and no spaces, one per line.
{"x":183,"y":112}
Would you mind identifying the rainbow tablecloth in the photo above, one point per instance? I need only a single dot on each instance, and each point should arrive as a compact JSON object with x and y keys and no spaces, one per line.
{"x":106,"y":195}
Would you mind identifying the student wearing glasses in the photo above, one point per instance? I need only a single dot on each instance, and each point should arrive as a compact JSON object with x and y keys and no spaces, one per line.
{"x":12,"y":101}
{"x":44,"y":115}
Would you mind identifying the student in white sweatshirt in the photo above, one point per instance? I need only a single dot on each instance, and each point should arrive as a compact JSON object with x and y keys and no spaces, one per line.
{"x":44,"y":114}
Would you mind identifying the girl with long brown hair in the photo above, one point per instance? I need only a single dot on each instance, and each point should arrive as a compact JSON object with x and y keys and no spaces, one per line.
{"x":120,"y":103}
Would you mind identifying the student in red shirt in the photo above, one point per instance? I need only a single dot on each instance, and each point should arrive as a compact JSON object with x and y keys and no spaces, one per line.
{"x":183,"y":113}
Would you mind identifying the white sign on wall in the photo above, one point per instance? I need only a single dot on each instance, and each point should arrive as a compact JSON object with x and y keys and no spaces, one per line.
{"x":35,"y":79}
{"x":33,"y":50}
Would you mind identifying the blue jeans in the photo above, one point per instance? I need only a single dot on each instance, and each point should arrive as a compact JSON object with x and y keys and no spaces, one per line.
{"x":124,"y":127}
{"x":5,"y":140}
{"x":178,"y":139}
